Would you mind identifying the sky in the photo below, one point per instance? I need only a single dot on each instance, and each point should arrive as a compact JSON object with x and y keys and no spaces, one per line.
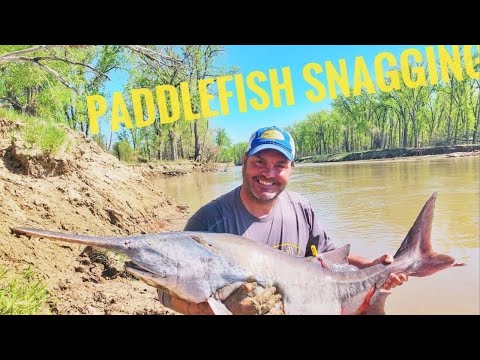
{"x":239,"y":126}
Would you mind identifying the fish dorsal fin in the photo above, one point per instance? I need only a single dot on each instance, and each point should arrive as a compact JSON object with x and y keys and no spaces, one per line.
{"x":336,"y":256}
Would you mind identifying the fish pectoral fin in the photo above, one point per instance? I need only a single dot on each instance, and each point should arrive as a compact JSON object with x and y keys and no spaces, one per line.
{"x":360,"y":302}
{"x":217,"y":307}
{"x":378,"y":306}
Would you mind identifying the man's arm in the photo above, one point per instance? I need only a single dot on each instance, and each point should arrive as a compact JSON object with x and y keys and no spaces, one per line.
{"x":359,"y":261}
{"x":188,"y":308}
{"x":247,"y":300}
{"x":182,"y":306}
{"x":393,"y":280}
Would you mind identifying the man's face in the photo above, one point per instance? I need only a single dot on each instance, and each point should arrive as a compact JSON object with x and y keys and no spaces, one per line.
{"x":265,"y":174}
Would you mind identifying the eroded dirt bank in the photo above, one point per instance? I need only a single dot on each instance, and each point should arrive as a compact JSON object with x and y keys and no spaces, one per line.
{"x":84,"y":191}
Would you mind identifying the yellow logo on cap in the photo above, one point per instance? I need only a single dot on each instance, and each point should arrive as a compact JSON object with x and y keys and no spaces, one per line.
{"x":272,"y":134}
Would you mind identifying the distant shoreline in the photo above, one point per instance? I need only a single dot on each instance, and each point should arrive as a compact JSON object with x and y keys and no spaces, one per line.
{"x":390,"y":154}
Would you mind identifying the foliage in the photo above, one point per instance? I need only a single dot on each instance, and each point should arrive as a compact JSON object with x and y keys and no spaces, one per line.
{"x":21,"y":295}
{"x":123,"y":151}
{"x":188,"y":139}
{"x":43,"y":134}
{"x":54,"y":82}
{"x":440,"y":114}
{"x":100,"y":140}
{"x":48,"y":137}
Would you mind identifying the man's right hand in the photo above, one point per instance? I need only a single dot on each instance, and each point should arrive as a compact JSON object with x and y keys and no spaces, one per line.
{"x":251,"y":299}
{"x":248,"y":299}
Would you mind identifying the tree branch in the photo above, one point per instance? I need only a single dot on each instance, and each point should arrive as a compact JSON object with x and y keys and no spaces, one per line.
{"x":38,"y":58}
{"x":51,"y":71}
{"x":13,"y":56}
{"x":152,"y":54}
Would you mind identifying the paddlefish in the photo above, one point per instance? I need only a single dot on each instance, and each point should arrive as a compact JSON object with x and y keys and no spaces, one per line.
{"x":203,"y":266}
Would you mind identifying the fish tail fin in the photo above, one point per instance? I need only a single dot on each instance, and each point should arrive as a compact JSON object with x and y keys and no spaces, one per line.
{"x":417,"y":246}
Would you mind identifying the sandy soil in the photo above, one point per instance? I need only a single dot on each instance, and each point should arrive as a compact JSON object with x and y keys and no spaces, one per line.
{"x":86,"y":191}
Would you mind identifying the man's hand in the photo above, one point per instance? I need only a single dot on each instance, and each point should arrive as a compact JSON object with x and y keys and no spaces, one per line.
{"x":394,"y":279}
{"x":251,"y":299}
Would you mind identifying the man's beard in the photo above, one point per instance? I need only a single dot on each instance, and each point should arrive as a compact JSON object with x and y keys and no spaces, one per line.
{"x":270,"y":197}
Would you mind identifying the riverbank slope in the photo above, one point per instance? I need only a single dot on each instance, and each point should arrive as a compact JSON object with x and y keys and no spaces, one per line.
{"x":81,"y":190}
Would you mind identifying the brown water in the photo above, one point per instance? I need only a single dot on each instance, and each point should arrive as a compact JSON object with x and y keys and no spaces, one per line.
{"x":372,"y":205}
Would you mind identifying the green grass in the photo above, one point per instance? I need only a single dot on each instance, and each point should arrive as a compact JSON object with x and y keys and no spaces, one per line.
{"x":49,"y":138}
{"x":21,"y":295}
{"x":44,"y":134}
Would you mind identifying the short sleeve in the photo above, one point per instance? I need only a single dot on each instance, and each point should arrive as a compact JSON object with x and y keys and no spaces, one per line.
{"x":195,"y":224}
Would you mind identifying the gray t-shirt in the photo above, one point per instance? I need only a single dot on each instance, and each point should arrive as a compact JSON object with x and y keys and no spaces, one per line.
{"x":291,"y":227}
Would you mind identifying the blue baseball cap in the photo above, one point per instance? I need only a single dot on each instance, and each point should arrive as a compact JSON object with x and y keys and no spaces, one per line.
{"x":272,"y":138}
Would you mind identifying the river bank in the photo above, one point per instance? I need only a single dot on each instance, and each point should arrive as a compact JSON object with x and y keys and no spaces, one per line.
{"x":180,"y":167}
{"x":438,"y":151}
{"x":83,"y":191}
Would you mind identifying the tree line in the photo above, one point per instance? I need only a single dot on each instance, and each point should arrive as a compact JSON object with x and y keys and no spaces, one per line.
{"x":430,"y":115}
{"x":51,"y":82}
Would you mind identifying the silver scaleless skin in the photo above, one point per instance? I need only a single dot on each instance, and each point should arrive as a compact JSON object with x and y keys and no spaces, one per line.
{"x":202,"y":266}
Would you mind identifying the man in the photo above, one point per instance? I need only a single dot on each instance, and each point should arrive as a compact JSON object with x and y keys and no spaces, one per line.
{"x":262,"y":210}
